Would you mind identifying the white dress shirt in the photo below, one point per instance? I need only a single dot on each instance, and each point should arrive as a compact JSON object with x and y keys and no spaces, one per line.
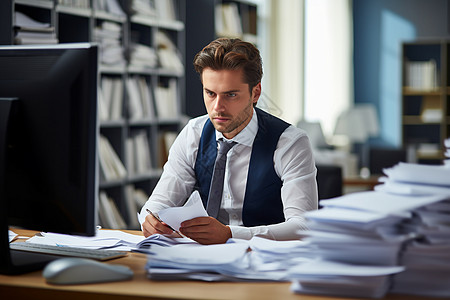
{"x":293,"y":163}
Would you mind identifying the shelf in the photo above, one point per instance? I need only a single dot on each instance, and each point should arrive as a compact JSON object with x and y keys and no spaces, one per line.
{"x":35,"y":3}
{"x":425,"y":113}
{"x":135,"y":142}
{"x":417,"y":120}
{"x":413,"y":92}
{"x":109,"y":17}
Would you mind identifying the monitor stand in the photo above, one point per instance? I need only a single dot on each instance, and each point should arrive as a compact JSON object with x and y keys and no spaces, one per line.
{"x":12,"y":261}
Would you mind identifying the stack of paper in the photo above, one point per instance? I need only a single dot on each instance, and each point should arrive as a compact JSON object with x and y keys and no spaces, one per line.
{"x":339,"y":279}
{"x":142,"y":56}
{"x":109,"y":35}
{"x":238,"y":260}
{"x":30,"y":31}
{"x":104,"y":239}
{"x":233,"y":261}
{"x":367,"y":229}
{"x":427,"y":259}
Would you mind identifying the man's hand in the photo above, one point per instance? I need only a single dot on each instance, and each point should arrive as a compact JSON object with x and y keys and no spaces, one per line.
{"x":151,"y":226}
{"x":206,"y":230}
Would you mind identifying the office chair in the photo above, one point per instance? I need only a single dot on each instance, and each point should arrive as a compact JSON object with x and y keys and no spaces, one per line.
{"x":329,"y":181}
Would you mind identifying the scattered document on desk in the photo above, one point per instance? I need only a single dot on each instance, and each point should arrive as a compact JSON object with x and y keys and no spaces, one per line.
{"x":104,"y":239}
{"x":161,"y":240}
{"x":233,"y":261}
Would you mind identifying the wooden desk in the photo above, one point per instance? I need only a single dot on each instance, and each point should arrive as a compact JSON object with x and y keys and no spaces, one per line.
{"x":357,"y":183}
{"x":32,"y":286}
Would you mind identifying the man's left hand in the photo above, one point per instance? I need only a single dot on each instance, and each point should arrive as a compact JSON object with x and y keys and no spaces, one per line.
{"x":206,"y":230}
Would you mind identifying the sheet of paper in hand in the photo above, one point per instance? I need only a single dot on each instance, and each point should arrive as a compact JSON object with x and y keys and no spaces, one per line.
{"x":174,"y":216}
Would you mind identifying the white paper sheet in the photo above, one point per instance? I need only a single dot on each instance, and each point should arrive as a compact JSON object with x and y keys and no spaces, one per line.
{"x":193,"y":208}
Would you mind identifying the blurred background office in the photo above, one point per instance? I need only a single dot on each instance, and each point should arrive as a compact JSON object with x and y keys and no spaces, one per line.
{"x":367,"y":79}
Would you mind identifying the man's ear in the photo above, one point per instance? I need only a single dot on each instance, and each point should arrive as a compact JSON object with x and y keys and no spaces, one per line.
{"x":256,"y":92}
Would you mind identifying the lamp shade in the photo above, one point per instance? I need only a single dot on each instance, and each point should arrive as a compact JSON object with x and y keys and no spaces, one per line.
{"x":358,"y":123}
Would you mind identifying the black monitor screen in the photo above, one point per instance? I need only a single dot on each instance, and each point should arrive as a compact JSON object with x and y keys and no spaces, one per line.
{"x":48,"y":98}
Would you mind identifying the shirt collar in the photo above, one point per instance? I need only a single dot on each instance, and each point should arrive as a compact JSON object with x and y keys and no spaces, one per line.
{"x":247,"y":135}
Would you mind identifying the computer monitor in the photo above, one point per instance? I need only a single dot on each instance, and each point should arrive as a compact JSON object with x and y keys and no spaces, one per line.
{"x":48,"y":144}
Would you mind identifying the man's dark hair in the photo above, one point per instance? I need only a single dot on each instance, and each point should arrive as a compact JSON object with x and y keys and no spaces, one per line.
{"x":231,"y":54}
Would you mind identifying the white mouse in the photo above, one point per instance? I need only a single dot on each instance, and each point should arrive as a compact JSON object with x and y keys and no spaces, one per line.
{"x":80,"y":270}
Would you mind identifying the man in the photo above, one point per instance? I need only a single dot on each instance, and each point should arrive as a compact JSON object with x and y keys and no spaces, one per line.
{"x":270,"y":175}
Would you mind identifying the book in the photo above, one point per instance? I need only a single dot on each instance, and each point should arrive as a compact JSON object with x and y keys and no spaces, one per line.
{"x":166,"y":100}
{"x":111,"y":166}
{"x":109,"y":214}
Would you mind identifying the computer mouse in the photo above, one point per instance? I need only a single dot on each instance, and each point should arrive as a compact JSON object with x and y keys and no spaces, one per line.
{"x":81,"y":270}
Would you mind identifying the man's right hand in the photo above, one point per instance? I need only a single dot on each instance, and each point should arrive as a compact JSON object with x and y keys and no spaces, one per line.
{"x":151,"y":226}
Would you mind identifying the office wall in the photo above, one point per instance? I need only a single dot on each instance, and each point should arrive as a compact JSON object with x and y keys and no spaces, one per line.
{"x":380,"y":26}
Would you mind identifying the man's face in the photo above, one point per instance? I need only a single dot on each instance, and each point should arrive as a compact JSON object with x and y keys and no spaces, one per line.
{"x":228,"y":100}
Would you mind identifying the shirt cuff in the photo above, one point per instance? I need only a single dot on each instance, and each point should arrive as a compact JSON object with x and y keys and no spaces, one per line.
{"x":241,"y":232}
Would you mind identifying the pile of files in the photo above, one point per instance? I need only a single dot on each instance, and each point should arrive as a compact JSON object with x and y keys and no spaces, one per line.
{"x":108,"y":35}
{"x":29,"y":31}
{"x":143,"y":56}
{"x":427,"y":258}
{"x":370,"y":243}
{"x":356,"y":240}
{"x":238,"y":260}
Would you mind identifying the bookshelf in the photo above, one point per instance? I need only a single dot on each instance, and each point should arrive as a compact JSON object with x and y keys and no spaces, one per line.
{"x":141,"y":86}
{"x":426,"y":99}
{"x":207,"y":20}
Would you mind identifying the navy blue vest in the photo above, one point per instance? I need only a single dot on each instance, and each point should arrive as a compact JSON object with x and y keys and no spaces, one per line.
{"x":262,"y":201}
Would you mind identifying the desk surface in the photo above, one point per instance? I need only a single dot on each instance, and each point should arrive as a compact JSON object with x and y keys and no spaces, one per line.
{"x":33,"y":286}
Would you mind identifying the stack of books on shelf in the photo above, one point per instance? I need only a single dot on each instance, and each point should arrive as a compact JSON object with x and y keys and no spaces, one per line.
{"x":168,"y":55}
{"x":111,"y":167}
{"x":421,"y":75}
{"x":110,"y":6}
{"x":138,"y":153}
{"x":109,"y":214}
{"x":142,"y":57}
{"x":228,"y":21}
{"x":110,"y":98}
{"x":140,"y":99}
{"x":30,"y":31}
{"x":109,"y":35}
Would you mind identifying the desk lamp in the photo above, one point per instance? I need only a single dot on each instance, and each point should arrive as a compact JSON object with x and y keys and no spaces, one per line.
{"x":358,"y":124}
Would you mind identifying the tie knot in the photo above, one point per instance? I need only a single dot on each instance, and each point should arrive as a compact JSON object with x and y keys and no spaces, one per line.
{"x":224,"y":146}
